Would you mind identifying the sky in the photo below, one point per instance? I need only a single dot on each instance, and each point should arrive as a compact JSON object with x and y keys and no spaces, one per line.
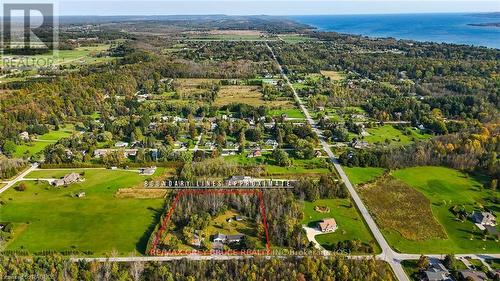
{"x":273,"y":7}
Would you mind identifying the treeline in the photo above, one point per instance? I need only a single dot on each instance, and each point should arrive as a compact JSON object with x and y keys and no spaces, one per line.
{"x":56,"y":267}
{"x":327,"y":186}
{"x":10,"y":167}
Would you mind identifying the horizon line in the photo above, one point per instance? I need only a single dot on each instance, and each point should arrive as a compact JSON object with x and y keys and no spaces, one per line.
{"x":272,"y":15}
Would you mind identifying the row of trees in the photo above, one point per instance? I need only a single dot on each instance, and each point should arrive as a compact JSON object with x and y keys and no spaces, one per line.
{"x":56,"y":267}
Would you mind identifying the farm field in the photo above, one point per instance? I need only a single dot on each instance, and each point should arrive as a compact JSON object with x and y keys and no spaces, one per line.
{"x":80,"y":55}
{"x":250,"y":95}
{"x":334,"y":75}
{"x":49,"y":218}
{"x":421,"y":221}
{"x":394,"y":136}
{"x":350,"y":224}
{"x":359,"y":175}
{"x":42,"y":141}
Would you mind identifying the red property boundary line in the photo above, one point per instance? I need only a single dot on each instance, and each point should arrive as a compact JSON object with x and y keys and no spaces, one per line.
{"x":155,"y":252}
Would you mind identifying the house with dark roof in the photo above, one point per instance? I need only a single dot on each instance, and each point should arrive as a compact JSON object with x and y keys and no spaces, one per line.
{"x":484,"y":218}
{"x":475,"y":275}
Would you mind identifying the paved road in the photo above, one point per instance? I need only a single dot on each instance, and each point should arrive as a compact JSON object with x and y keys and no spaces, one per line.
{"x":387,"y":253}
{"x":19,"y":177}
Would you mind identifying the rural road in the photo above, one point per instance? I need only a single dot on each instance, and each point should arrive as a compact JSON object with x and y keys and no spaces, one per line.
{"x":18,"y":178}
{"x":387,"y":253}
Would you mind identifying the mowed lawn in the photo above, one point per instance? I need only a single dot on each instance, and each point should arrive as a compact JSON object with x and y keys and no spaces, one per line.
{"x":43,"y":141}
{"x":445,"y":188}
{"x":396,"y":137}
{"x":359,"y":175}
{"x":299,"y":167}
{"x":290,"y":113}
{"x":350,"y":224}
{"x":49,"y":218}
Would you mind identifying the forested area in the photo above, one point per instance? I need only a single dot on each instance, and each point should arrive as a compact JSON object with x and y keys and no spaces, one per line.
{"x":56,"y":267}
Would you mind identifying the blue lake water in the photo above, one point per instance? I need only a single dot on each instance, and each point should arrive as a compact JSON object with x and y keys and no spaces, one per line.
{"x":449,"y":28}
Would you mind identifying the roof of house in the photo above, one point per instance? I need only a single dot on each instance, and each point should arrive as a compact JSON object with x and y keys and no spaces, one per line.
{"x":220,"y":236}
{"x":483,"y":216}
{"x":437,"y":271}
{"x":234,"y":237}
{"x":327,"y":223}
{"x":474,"y":274}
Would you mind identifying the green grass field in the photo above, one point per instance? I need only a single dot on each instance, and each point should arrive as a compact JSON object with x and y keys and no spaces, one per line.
{"x":359,"y":175}
{"x":49,"y":218}
{"x":290,"y":113}
{"x":300,"y":167}
{"x":78,"y":55}
{"x":350,"y":224}
{"x":42,"y":141}
{"x":395,"y":136}
{"x":445,"y":188}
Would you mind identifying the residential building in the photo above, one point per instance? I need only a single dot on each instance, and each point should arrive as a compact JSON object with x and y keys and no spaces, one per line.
{"x":473,"y":275}
{"x":121,"y":144}
{"x":484,"y":218}
{"x":437,"y":272}
{"x":67,"y":179}
{"x":327,"y":225}
{"x":227,"y":239}
{"x":25,"y":136}
{"x":147,"y":171}
{"x":255,"y":153}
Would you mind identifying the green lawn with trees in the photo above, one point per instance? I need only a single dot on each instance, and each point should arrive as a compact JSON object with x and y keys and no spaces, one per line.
{"x":40,"y":142}
{"x":390,"y":134}
{"x":50,"y":218}
{"x":350,"y":224}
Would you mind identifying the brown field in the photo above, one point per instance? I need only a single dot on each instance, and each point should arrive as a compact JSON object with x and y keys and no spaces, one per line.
{"x":189,"y":87}
{"x":148,"y":193}
{"x":250,"y":95}
{"x":397,"y":206}
{"x":333,"y":75}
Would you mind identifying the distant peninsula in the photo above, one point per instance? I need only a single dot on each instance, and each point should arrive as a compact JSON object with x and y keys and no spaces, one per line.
{"x":494,"y":24}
